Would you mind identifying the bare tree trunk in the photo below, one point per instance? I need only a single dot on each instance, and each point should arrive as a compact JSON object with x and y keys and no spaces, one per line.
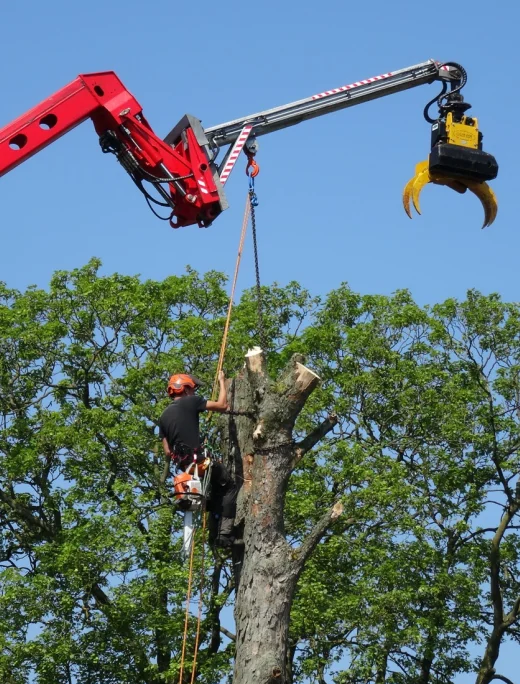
{"x":264,"y":456}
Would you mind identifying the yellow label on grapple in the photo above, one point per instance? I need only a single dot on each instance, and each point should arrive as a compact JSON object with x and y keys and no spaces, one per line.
{"x":462,"y":133}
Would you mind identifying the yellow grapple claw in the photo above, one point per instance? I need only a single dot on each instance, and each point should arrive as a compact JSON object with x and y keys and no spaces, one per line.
{"x":421,"y":179}
{"x":488,"y":199}
{"x":407,"y":192}
{"x":456,"y":158}
{"x":423,"y":176}
{"x":406,"y":196}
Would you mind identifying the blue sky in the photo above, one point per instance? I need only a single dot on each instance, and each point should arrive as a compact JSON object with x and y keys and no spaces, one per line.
{"x":329,"y":189}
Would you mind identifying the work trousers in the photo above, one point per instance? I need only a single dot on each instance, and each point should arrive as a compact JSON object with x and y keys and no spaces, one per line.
{"x":222,"y":505}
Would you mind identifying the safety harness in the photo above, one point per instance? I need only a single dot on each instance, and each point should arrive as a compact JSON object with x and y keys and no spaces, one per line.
{"x":190,"y":489}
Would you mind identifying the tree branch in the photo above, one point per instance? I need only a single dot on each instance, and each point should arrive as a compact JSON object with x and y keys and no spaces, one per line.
{"x":113,"y":475}
{"x":124,"y":628}
{"x":484,"y":383}
{"x":314,"y":437}
{"x":496,"y":591}
{"x":316,"y":534}
{"x":100,"y":596}
{"x":500,"y":622}
{"x":502,"y":678}
{"x":227,"y":633}
{"x":482,"y":530}
{"x":7,"y":553}
{"x":214,"y":608}
{"x":511,"y":617}
{"x":26,"y":515}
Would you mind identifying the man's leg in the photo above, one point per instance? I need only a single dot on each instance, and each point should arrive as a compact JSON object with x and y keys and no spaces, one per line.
{"x":226,"y":535}
{"x":222,"y":517}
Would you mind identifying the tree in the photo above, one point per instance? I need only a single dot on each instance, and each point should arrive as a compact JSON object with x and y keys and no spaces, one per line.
{"x":271,"y":565}
{"x":429,"y":434}
{"x":377,"y":434}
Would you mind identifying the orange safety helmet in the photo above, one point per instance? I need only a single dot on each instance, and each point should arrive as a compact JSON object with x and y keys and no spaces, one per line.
{"x":179,"y":381}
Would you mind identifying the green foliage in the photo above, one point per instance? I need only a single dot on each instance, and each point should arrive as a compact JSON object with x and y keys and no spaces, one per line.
{"x":428,"y":434}
{"x":92,"y":584}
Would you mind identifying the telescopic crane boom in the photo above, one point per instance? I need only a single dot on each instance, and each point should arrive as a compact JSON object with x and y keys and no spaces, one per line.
{"x":329,"y":101}
{"x":183,"y":167}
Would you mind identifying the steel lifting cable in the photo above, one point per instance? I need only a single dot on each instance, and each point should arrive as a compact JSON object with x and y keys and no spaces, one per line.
{"x":253,"y":201}
{"x":252,"y":170}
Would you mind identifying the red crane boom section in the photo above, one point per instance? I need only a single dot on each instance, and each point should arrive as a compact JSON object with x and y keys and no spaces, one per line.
{"x":118,"y":119}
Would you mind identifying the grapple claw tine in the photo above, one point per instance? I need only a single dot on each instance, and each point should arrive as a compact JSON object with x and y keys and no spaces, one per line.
{"x":408,"y":190}
{"x":488,"y":199}
{"x":422,"y":179}
{"x":406,"y":196}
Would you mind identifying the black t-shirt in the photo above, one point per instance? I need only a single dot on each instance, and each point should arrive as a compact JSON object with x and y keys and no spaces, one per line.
{"x":179,"y":423}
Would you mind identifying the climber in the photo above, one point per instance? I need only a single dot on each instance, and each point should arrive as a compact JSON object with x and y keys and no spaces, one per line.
{"x":180,"y":435}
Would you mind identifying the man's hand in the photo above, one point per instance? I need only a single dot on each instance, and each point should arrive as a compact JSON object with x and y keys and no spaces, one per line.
{"x":221,"y":404}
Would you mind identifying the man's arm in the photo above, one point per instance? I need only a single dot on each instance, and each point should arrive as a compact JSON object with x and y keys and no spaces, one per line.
{"x":221,"y":404}
{"x":166,"y":446}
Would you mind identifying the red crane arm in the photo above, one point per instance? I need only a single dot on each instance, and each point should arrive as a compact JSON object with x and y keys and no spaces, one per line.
{"x":180,"y":170}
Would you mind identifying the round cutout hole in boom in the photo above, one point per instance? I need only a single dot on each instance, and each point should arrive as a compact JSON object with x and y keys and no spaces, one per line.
{"x":18,"y":142}
{"x":48,"y":122}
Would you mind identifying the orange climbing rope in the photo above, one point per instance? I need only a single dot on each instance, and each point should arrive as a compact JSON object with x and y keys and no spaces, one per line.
{"x":220,"y":363}
{"x":223,"y":346}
